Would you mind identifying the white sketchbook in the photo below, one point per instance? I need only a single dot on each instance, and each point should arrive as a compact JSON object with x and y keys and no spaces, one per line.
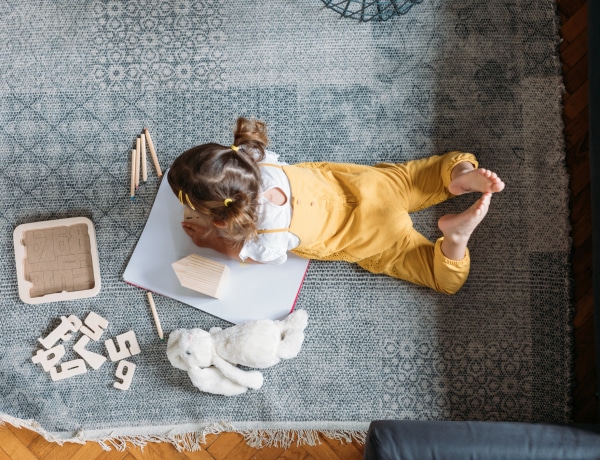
{"x":251,"y":291}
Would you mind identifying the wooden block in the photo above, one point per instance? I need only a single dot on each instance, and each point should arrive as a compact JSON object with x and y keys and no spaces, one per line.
{"x":68,"y":369}
{"x":93,"y":359}
{"x":124,"y":371}
{"x":202,"y":275}
{"x":48,"y":358}
{"x":62,"y":331}
{"x":95,"y":326}
{"x":128,"y":346}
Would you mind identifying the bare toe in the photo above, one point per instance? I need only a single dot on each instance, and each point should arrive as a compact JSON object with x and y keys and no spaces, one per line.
{"x":477,"y":180}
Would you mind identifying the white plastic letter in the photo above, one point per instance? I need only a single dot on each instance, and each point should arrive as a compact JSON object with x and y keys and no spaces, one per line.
{"x":124,"y":371}
{"x":48,"y":358}
{"x":128,"y":346}
{"x":93,"y":359}
{"x":62,"y":331}
{"x":95,"y":326}
{"x":68,"y":369}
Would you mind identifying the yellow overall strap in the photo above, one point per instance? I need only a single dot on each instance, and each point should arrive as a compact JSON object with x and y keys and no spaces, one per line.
{"x":274,"y":230}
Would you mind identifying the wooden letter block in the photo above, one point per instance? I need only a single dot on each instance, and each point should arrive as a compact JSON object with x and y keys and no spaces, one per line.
{"x":48,"y":358}
{"x":202,"y":275}
{"x":68,"y":369}
{"x":93,"y":359}
{"x":62,"y":331}
{"x":128,"y":346}
{"x":125,"y":371}
{"x":95,"y":326}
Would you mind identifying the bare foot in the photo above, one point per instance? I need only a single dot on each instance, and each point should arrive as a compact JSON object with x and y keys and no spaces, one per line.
{"x":476,"y":180}
{"x":457,"y":228}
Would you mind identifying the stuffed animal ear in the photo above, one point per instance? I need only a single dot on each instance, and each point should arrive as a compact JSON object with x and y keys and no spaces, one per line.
{"x":292,"y":334}
{"x":290,"y":344}
{"x":298,"y":319}
{"x":174,"y":349}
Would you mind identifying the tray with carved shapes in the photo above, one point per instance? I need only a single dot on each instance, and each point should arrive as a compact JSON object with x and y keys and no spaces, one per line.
{"x":57,"y":260}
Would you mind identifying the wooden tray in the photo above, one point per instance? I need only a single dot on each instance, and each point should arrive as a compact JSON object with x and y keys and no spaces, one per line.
{"x":57,"y":260}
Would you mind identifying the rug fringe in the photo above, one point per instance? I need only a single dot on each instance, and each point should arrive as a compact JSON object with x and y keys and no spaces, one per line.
{"x":182,"y":442}
{"x":194,"y":440}
{"x":190,"y":442}
{"x":34,"y":426}
{"x":285,"y":438}
{"x":359,"y":436}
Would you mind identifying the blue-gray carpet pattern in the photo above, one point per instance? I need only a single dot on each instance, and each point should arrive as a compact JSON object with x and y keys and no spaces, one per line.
{"x":81,"y":79}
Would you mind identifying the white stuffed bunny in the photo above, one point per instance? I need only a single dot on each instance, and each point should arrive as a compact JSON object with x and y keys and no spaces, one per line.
{"x":211,"y":358}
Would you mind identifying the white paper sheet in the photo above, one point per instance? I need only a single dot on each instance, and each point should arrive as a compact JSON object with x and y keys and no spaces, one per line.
{"x":252,"y":291}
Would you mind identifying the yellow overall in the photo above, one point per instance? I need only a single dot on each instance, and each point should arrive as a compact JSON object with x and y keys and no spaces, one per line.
{"x":360,"y":214}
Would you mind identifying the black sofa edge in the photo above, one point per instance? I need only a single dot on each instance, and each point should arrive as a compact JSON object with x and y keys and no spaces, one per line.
{"x":423,"y":440}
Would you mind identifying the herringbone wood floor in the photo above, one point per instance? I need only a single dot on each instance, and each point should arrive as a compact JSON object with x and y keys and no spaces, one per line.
{"x":575,"y":70}
{"x":21,"y":444}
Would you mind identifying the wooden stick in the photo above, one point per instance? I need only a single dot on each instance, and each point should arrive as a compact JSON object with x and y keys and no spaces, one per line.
{"x":153,"y":152}
{"x":144,"y":168}
{"x":132,"y":185}
{"x":155,"y":315}
{"x":138,"y":148}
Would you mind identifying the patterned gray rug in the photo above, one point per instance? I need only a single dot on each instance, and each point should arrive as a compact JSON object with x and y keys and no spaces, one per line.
{"x":80,"y":79}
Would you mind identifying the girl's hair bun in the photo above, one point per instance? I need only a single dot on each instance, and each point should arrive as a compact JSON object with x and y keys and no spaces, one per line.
{"x":251,"y":136}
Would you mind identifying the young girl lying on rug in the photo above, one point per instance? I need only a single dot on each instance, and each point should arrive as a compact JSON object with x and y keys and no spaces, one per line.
{"x":247,"y":204}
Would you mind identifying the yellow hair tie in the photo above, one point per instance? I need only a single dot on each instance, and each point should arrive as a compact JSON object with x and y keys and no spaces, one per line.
{"x":180,"y":196}
{"x":187,"y":198}
{"x":235,"y":148}
{"x":227,"y":202}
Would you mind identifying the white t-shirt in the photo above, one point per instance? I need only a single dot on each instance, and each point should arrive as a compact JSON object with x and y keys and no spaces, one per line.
{"x":272,"y":248}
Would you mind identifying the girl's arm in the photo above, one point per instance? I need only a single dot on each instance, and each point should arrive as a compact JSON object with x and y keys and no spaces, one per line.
{"x":207,"y":239}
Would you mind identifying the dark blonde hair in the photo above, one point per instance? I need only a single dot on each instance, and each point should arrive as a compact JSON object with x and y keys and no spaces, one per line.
{"x":221,"y":182}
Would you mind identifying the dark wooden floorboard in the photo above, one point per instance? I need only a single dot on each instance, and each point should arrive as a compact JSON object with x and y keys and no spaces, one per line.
{"x":574,"y":51}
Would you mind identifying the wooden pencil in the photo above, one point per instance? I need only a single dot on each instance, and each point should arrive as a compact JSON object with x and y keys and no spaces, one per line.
{"x":132,"y":182}
{"x":144,"y":168}
{"x":155,"y":315}
{"x":138,"y":148}
{"x":153,"y":152}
